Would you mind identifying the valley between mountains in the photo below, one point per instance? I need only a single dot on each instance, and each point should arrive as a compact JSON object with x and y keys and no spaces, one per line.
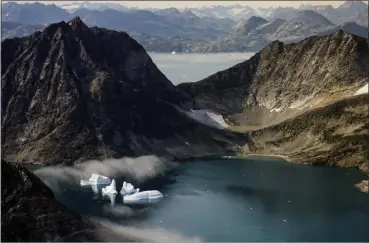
{"x":72,"y":93}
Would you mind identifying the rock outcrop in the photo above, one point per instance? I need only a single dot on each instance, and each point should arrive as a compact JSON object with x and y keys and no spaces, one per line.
{"x":72,"y":93}
{"x":363,"y":186}
{"x":30,"y":213}
{"x":300,"y":100}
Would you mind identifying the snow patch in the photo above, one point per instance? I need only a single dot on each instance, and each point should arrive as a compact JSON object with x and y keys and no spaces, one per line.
{"x":276,"y":109}
{"x":362,"y":90}
{"x":208,"y":118}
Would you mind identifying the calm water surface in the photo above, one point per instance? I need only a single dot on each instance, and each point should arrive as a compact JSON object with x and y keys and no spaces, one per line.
{"x":255,"y":199}
{"x":190,"y":67}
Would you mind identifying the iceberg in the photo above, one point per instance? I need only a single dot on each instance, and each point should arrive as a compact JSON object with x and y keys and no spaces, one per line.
{"x":111,"y":189}
{"x":111,"y":197}
{"x":95,"y":189}
{"x":128,"y":189}
{"x":96,"y":179}
{"x":143,"y":197}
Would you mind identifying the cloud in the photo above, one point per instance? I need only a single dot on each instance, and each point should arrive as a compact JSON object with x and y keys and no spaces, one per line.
{"x":144,"y":234}
{"x":139,"y":169}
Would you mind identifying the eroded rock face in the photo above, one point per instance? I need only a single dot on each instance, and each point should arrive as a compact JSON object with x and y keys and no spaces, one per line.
{"x":75,"y":93}
{"x":282,"y":81}
{"x":30,"y":213}
{"x":301,"y":100}
{"x":363,"y":186}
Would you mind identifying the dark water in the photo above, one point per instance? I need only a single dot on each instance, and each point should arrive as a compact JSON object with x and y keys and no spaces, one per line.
{"x":256,"y":199}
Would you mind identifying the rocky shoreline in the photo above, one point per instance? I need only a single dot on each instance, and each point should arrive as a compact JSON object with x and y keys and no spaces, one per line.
{"x":363,"y":186}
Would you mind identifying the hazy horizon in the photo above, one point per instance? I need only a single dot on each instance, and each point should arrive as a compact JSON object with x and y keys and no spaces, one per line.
{"x":196,"y":4}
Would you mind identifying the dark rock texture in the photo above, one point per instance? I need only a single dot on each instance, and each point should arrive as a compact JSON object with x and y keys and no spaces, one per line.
{"x":75,"y":93}
{"x":30,"y":213}
{"x":299,"y":98}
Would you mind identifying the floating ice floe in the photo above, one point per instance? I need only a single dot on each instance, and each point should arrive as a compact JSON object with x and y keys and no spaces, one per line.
{"x":111,"y":189}
{"x":128,"y":189}
{"x":143,"y":197}
{"x":96,"y":179}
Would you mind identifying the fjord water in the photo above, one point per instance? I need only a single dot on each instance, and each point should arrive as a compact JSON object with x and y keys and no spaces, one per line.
{"x":253,"y":199}
{"x":191,"y":67}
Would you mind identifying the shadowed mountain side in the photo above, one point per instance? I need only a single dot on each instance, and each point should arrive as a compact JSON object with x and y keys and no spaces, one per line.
{"x":72,"y":93}
{"x":30,"y":212}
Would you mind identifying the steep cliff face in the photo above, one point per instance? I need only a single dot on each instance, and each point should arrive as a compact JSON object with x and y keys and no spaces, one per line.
{"x":29,"y":212}
{"x":307,"y":101}
{"x":74,"y":93}
{"x":282,"y":81}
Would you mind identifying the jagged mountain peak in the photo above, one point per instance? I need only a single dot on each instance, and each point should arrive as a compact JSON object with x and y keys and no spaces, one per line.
{"x":256,"y":19}
{"x":245,"y":27}
{"x":357,"y":4}
{"x":70,"y":95}
{"x":77,"y":23}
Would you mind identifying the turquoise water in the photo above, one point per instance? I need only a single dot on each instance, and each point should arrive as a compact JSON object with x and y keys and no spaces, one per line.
{"x":256,"y":199}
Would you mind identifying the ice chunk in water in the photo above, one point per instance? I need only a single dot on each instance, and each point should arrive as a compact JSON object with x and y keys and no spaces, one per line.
{"x":143,"y":197}
{"x":128,"y":188}
{"x":111,"y":189}
{"x":99,"y":179}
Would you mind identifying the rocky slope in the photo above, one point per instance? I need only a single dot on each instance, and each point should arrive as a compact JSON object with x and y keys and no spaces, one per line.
{"x":336,"y":134}
{"x":299,"y":95}
{"x":30,"y":213}
{"x":74,"y":93}
{"x":349,"y":27}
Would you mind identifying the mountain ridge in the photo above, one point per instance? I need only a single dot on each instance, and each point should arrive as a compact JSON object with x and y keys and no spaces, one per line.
{"x":320,"y":72}
{"x":64,"y":100}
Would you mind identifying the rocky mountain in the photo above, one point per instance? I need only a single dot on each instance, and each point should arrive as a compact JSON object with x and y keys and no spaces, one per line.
{"x":251,"y":24}
{"x":100,"y":6}
{"x":161,"y":23}
{"x":13,"y":29}
{"x":30,"y":213}
{"x":32,"y":13}
{"x":257,"y":32}
{"x":305,"y":23}
{"x":350,"y":11}
{"x":65,"y":100}
{"x":297,"y":99}
{"x":349,"y":27}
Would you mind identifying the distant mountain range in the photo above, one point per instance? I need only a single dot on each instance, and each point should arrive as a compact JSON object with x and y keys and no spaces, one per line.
{"x":350,"y":11}
{"x":213,"y":29}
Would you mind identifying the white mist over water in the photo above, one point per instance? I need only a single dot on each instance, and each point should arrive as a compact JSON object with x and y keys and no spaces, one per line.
{"x":140,"y":169}
{"x":192,"y":67}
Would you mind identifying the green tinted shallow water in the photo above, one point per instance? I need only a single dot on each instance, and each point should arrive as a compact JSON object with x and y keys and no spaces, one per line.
{"x":253,"y":199}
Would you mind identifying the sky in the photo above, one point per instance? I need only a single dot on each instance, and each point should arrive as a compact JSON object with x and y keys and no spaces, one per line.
{"x":195,"y":4}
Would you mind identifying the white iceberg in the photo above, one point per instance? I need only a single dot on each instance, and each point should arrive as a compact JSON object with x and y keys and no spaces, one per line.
{"x":97,"y":179}
{"x":95,"y":189}
{"x":143,"y":197}
{"x":111,"y":189}
{"x":128,"y":189}
{"x":111,"y":197}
